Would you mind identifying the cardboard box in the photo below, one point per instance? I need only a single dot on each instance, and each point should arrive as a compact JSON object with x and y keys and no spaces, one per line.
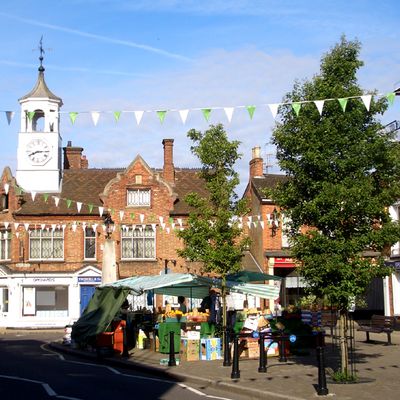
{"x":190,"y":350}
{"x":210,"y":349}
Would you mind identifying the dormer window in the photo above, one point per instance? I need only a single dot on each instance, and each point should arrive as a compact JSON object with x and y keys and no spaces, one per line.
{"x":4,"y":201}
{"x":138,"y":197}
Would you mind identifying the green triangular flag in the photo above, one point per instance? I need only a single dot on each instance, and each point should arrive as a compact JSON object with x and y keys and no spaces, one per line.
{"x":30,"y":114}
{"x":171,"y":220}
{"x":69,"y":202}
{"x":90,"y":206}
{"x":132,"y":215}
{"x":296,"y":108}
{"x":72,"y":116}
{"x":45,"y":197}
{"x":251,"y":110}
{"x":390,"y":97}
{"x":161,"y":115}
{"x":117,"y":114}
{"x":206,"y":112}
{"x":343,"y":103}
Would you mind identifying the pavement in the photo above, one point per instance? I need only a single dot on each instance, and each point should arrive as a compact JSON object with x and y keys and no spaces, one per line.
{"x":377,"y":367}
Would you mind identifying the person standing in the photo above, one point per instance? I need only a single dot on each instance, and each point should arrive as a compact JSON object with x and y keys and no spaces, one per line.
{"x":182,"y":305}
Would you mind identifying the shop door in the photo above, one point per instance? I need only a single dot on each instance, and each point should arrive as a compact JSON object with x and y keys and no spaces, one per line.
{"x":86,"y":294}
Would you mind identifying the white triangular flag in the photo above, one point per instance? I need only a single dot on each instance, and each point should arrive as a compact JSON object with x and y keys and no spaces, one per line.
{"x":366,"y":100}
{"x":6,"y":224}
{"x":173,"y":225}
{"x":250,"y":218}
{"x":141,"y":217}
{"x":168,"y":230}
{"x":163,"y":225}
{"x":133,"y":227}
{"x":74,"y":226}
{"x":56,"y":200}
{"x":42,"y":226}
{"x":78,"y":206}
{"x":180,"y":221}
{"x":184,"y":115}
{"x":229,"y":113}
{"x":320,"y":105}
{"x":121,"y":215}
{"x":161,"y":219}
{"x":153,"y":226}
{"x":262,"y":224}
{"x":94,"y":226}
{"x":9,"y":116}
{"x":101,"y":210}
{"x":249,"y":224}
{"x":33,"y":194}
{"x":6,"y":187}
{"x":95,"y":117}
{"x":17,"y":234}
{"x":63,"y":226}
{"x":53,"y":227}
{"x":274,"y":109}
{"x":16,"y":225}
{"x":26,"y":225}
{"x":83,"y":226}
{"x":138,"y":116}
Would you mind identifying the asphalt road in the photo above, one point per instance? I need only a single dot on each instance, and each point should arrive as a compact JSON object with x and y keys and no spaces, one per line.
{"x":31,"y":370}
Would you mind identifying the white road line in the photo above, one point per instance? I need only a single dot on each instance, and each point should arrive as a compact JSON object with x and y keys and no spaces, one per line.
{"x":45,"y":386}
{"x":182,"y":385}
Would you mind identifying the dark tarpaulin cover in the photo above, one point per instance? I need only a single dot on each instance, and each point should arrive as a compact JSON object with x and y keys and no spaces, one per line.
{"x":99,"y":313}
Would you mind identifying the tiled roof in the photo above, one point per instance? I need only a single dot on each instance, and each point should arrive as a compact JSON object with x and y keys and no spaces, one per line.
{"x":85,"y":186}
{"x":82,"y":185}
{"x":267,"y":181}
{"x":187,"y":181}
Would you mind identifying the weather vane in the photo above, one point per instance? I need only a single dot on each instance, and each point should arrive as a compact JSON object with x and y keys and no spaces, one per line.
{"x":41,"y":51}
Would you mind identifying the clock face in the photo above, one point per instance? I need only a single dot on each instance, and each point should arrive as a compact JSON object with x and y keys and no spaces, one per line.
{"x":38,"y":151}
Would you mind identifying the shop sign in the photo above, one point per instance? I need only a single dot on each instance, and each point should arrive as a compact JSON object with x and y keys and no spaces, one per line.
{"x":89,"y":279}
{"x":284,"y":262}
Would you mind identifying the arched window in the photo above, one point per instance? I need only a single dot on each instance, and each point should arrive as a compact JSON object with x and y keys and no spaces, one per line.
{"x":38,"y":121}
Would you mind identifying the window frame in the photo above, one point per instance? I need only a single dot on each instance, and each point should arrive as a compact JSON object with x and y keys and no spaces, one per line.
{"x":41,"y":239}
{"x":135,"y":192}
{"x":5,"y":245}
{"x":127,"y":235}
{"x":85,"y":239}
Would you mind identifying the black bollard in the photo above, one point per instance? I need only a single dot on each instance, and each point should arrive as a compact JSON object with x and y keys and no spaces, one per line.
{"x":282,"y":355}
{"x":322,"y":389}
{"x":227,"y":352}
{"x":171,"y":361}
{"x":262,"y":366}
{"x":125,"y":352}
{"x":235,"y":365}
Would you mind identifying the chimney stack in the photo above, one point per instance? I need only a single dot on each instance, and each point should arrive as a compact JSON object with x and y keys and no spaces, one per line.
{"x":73,"y":158}
{"x":168,"y":169}
{"x":256,"y":163}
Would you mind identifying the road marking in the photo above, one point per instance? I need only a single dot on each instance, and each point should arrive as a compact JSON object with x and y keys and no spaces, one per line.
{"x":111,"y":369}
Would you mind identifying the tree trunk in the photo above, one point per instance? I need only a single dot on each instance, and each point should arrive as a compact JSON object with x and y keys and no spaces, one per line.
{"x":344,"y":353}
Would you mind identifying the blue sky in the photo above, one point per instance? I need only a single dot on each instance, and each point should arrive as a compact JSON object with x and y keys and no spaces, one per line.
{"x":109,"y":55}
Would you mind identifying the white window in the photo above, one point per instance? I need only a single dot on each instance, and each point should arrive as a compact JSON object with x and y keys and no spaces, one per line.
{"x":138,"y":243}
{"x":90,"y":244}
{"x":5,"y":245}
{"x":138,"y":197}
{"x":46,"y":244}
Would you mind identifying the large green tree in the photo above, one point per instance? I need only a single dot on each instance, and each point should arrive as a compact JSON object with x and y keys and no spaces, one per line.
{"x":344,"y":172}
{"x":211,"y":236}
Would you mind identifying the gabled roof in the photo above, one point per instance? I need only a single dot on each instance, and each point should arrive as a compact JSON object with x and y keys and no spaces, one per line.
{"x":86,"y":185}
{"x":267,"y":181}
{"x":41,"y":90}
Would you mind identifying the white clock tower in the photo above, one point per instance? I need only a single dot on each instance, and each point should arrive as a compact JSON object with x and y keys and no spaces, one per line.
{"x":39,"y":141}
